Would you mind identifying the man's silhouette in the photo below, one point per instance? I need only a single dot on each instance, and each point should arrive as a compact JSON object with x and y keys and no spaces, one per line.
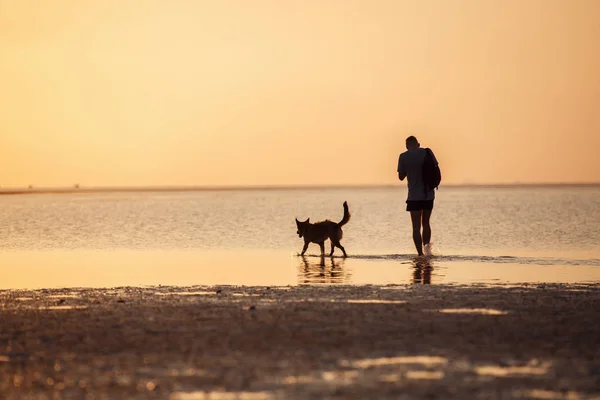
{"x":420,"y":200}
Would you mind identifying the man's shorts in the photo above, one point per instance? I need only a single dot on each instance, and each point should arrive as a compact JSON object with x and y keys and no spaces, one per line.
{"x":417,"y":205}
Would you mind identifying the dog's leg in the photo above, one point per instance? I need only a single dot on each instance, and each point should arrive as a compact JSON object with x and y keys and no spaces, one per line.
{"x":322,"y":246}
{"x":332,"y":249}
{"x":304,"y":248}
{"x":337,"y":243}
{"x":343,"y":250}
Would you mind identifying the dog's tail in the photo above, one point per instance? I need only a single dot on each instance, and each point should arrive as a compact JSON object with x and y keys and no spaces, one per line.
{"x":346,"y":218}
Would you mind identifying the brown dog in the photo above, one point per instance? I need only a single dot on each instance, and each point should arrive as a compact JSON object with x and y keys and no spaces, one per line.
{"x":321,"y":231}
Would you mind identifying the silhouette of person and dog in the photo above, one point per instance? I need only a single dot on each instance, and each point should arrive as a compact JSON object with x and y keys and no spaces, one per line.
{"x":420,"y":168}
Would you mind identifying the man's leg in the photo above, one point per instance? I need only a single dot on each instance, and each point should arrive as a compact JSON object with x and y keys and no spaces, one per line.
{"x":415,"y":217}
{"x":426,"y":226}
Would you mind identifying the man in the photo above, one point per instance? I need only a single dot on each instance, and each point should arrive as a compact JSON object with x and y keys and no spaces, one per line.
{"x":420,"y":199}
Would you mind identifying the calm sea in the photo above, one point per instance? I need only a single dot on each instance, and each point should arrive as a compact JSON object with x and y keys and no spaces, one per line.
{"x":248,"y":237}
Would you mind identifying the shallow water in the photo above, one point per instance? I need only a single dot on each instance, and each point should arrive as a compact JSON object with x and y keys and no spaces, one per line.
{"x":486,"y":235}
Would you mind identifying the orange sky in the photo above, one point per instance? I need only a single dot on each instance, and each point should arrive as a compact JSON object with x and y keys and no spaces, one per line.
{"x":236,"y":92}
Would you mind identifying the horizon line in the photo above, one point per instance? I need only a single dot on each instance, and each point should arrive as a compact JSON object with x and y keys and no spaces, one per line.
{"x":192,"y":188}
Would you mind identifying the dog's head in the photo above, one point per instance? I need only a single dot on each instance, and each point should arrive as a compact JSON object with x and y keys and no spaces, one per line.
{"x":302,"y":226}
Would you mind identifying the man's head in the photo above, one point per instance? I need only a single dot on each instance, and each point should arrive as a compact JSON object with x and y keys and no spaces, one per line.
{"x":412,"y":143}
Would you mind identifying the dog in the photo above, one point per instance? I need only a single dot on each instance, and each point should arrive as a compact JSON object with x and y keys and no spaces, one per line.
{"x":321,"y":231}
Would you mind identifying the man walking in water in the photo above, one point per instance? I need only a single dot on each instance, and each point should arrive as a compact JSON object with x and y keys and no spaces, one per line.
{"x":420,"y":196}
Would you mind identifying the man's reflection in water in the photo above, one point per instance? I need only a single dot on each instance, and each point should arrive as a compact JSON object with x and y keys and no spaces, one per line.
{"x":422,"y":271}
{"x":322,"y":270}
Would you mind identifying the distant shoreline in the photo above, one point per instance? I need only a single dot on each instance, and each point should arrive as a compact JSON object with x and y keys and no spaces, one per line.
{"x":142,"y":189}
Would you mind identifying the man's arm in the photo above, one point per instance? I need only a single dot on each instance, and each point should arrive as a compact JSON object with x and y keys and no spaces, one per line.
{"x":401,"y":172}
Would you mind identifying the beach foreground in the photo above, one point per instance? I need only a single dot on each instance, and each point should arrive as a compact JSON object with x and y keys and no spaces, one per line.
{"x":227,"y":342}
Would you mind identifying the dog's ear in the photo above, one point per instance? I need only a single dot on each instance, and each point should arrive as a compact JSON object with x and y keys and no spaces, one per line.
{"x":297,"y":221}
{"x":307,"y":220}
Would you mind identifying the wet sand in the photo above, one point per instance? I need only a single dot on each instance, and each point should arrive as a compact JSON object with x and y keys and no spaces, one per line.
{"x":304,"y":342}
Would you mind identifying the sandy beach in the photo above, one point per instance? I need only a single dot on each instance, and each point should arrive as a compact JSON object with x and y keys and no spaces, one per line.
{"x":305,"y":342}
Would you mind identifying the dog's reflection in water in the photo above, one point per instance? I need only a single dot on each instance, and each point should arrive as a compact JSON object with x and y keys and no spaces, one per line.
{"x":322,"y":269}
{"x":422,"y":271}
